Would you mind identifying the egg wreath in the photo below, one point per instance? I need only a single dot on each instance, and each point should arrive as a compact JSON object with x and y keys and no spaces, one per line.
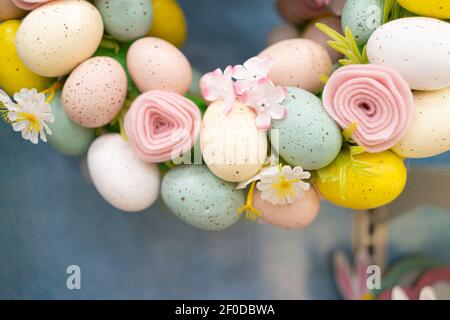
{"x":287,"y":125}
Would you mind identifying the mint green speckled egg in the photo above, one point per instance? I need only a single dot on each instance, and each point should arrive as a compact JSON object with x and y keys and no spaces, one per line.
{"x":307,"y":137}
{"x":67,"y":137}
{"x":126,"y":20}
{"x":201,"y":199}
{"x":363,"y":17}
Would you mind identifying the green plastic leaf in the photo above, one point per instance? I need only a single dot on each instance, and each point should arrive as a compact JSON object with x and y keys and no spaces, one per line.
{"x":344,"y":44}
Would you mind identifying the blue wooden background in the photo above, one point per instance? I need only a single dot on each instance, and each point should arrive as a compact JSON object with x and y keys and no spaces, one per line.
{"x":51,"y":216}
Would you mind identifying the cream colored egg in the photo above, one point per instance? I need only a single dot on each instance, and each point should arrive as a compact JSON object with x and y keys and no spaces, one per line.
{"x":429,"y":133}
{"x":95,"y":92}
{"x":418,"y":48}
{"x":122,"y":179}
{"x":232,"y":147}
{"x":298,"y":63}
{"x":54,"y":38}
{"x":155,"y":64}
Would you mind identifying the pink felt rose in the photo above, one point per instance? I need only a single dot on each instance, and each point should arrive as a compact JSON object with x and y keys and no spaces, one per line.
{"x":161,"y":125}
{"x":30,"y":4}
{"x":374,"y":97}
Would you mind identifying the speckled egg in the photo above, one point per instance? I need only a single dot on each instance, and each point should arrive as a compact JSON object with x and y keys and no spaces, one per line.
{"x":9,"y":11}
{"x":298,"y":63}
{"x":155,"y":64}
{"x":200,"y":199}
{"x":123,"y":180}
{"x":67,"y":137}
{"x":14,"y":75}
{"x":362,"y":17}
{"x":296,"y":215}
{"x":281,"y":33}
{"x":126,"y":20}
{"x":169,"y":22}
{"x":371,"y":180}
{"x":314,"y":34}
{"x":95,"y":92}
{"x":232,"y":147}
{"x":307,"y":137}
{"x":417,"y":48}
{"x":430,"y":8}
{"x":429,"y":133}
{"x":54,"y":38}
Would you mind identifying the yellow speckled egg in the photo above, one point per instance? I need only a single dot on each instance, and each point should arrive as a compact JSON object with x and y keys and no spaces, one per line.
{"x":296,"y":215}
{"x":169,"y":22}
{"x":95,"y":92}
{"x":54,"y":38}
{"x":232,"y":147}
{"x":429,"y":132}
{"x":155,"y":64}
{"x":429,"y":8}
{"x":14,"y":75}
{"x":9,"y":11}
{"x":298,"y":63}
{"x":369,"y":181}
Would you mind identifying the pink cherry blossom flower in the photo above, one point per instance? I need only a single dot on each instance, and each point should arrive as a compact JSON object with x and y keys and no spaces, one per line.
{"x":265,"y":99}
{"x":218,"y":85}
{"x":248,"y":75}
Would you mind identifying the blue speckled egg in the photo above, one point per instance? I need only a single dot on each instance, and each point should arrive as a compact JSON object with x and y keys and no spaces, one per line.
{"x":126,"y":20}
{"x":307,"y":137}
{"x":363,"y":17}
{"x":201,"y":199}
{"x":67,"y":137}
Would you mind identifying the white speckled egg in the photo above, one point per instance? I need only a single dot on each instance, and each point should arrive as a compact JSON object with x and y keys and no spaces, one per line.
{"x":54,"y":38}
{"x":232,"y":147}
{"x":362,"y":17}
{"x":95,"y":92}
{"x":312,"y":33}
{"x":307,"y":137}
{"x":418,"y":48}
{"x":155,"y":64}
{"x":429,"y":133}
{"x":200,"y":199}
{"x":298,"y":63}
{"x":126,"y":20}
{"x":123,"y":180}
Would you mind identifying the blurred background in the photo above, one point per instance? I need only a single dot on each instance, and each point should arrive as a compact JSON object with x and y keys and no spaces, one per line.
{"x":51,"y":215}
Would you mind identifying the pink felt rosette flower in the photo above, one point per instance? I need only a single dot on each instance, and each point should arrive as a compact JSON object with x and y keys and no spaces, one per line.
{"x":161,"y":125}
{"x":374,"y":97}
{"x":30,"y":4}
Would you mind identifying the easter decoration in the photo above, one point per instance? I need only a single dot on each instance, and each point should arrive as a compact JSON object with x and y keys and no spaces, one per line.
{"x":328,"y":111}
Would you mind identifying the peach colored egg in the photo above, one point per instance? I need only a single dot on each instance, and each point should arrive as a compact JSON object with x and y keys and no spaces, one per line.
{"x":297,"y":215}
{"x":298,"y":63}
{"x":54,"y":38}
{"x":155,"y":64}
{"x":314,"y":34}
{"x":281,"y":33}
{"x":8,"y":10}
{"x":95,"y":92}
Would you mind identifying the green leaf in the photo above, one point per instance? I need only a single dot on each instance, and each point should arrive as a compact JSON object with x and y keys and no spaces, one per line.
{"x":344,"y":44}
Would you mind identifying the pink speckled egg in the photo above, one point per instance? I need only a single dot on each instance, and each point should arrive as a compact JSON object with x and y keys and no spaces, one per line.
{"x":8,"y":10}
{"x":155,"y":64}
{"x":297,"y":215}
{"x":95,"y":92}
{"x":314,"y":34}
{"x":298,"y":63}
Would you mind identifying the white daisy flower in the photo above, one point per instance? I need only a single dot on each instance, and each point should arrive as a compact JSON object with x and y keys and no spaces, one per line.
{"x":29,"y":114}
{"x":283,"y":185}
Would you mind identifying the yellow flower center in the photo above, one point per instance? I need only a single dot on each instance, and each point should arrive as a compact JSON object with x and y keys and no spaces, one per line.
{"x":32,"y":119}
{"x":284,"y":187}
